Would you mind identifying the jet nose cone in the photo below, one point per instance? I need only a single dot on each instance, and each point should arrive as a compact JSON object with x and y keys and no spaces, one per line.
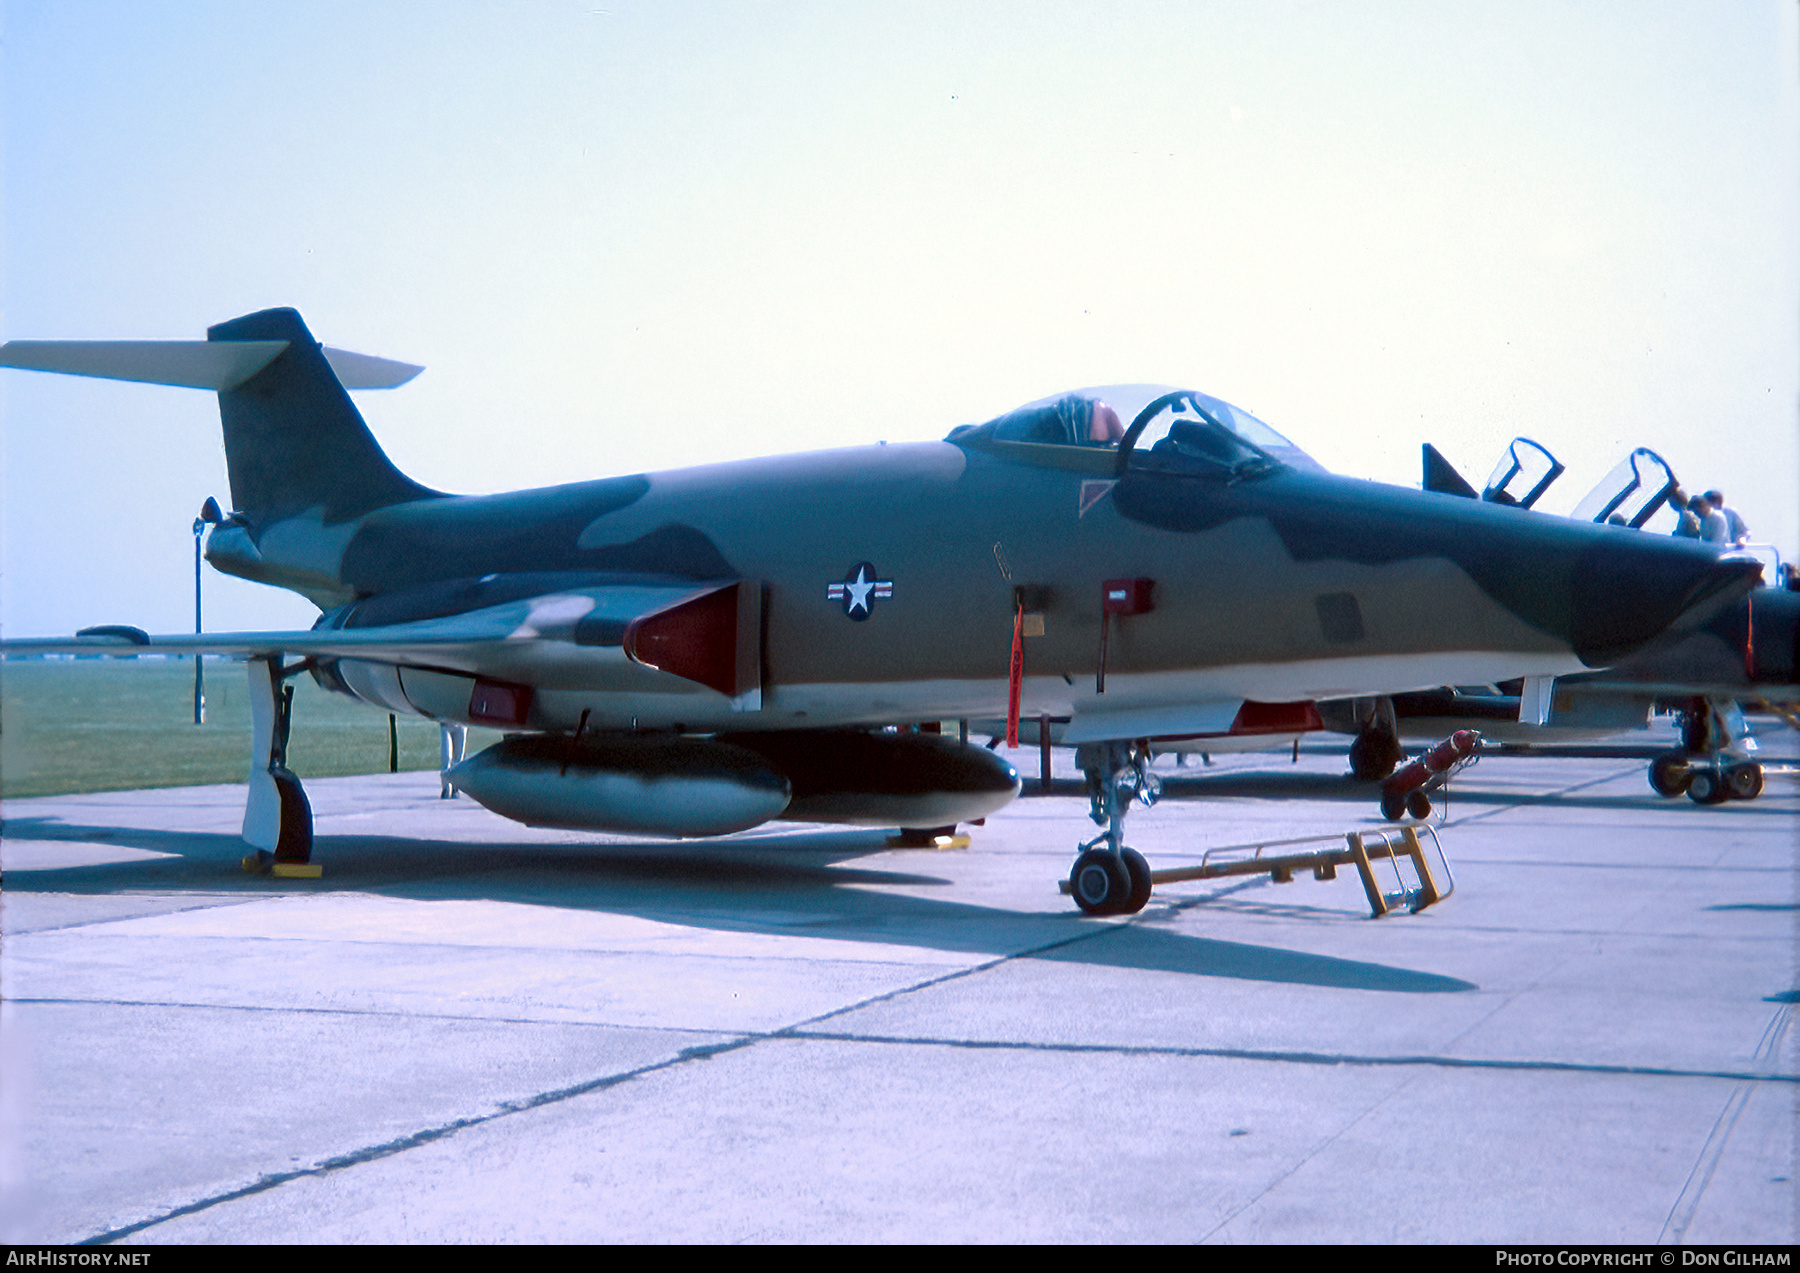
{"x":1632,"y":588}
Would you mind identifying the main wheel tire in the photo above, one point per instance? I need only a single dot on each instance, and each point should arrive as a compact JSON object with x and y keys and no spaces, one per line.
{"x":1373,"y":755}
{"x":1670,"y":774}
{"x":1139,"y":872}
{"x":1100,"y":883}
{"x":293,"y":844}
{"x":1745,"y":781}
{"x":1708,"y":787}
{"x":1418,"y":804}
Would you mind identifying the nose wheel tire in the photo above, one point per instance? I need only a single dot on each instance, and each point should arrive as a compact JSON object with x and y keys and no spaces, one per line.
{"x":1139,"y":871}
{"x":1105,"y":883}
{"x":1099,"y":882}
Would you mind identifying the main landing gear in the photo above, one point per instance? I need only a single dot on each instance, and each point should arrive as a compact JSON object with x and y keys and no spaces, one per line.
{"x":1108,"y":878}
{"x":1376,"y":750}
{"x":277,"y":816}
{"x":1712,"y":765}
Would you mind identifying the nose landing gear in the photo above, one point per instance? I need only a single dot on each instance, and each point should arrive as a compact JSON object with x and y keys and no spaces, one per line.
{"x":1108,"y":878}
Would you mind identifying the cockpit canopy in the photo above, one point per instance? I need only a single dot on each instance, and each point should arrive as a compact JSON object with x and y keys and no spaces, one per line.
{"x":1082,"y":418}
{"x":1154,"y":427}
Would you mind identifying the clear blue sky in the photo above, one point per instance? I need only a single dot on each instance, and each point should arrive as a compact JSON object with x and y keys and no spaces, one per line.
{"x":629,"y":236}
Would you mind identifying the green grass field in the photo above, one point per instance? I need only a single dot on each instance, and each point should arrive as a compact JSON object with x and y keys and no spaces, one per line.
{"x":74,"y":725}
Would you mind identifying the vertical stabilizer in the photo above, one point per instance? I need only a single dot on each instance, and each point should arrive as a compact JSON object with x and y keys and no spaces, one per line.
{"x":293,"y":439}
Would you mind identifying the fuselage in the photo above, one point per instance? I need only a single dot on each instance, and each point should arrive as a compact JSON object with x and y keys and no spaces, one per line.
{"x":893,"y":577}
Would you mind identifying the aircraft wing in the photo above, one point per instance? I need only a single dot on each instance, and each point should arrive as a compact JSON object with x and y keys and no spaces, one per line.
{"x":398,"y":643}
{"x":707,"y":634}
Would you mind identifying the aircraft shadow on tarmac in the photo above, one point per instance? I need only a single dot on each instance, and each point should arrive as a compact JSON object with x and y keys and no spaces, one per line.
{"x":1194,"y":784}
{"x":788,"y":885}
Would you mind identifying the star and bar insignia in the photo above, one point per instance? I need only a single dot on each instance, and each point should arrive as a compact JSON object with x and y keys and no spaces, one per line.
{"x":860,"y":590}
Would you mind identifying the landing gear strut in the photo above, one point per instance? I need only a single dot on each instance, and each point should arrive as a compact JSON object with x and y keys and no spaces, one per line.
{"x":1377,"y":747}
{"x":1109,"y":878}
{"x":277,"y":816}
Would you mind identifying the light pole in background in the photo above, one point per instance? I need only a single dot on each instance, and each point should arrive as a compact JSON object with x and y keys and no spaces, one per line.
{"x":209,"y":516}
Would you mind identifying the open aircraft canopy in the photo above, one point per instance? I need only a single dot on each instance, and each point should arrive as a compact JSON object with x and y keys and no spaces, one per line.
{"x":1523,"y":474}
{"x":1635,"y":491}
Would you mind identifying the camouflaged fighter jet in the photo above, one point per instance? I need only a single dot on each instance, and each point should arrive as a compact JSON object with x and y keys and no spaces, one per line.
{"x":696,"y":652}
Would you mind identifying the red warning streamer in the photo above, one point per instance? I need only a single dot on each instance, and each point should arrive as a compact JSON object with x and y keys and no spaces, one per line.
{"x":1015,"y":677}
{"x":1749,"y":641}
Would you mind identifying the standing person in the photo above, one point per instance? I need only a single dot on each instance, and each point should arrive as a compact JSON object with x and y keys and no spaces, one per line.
{"x":1714,"y":529}
{"x":1687,"y":525}
{"x":1737,"y":532}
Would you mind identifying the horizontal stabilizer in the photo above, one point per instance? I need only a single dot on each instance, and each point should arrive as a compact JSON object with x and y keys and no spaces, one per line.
{"x":365,"y":371}
{"x":191,"y":364}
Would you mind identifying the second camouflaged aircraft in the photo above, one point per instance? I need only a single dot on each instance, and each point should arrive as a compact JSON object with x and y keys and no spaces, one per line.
{"x":699,"y":651}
